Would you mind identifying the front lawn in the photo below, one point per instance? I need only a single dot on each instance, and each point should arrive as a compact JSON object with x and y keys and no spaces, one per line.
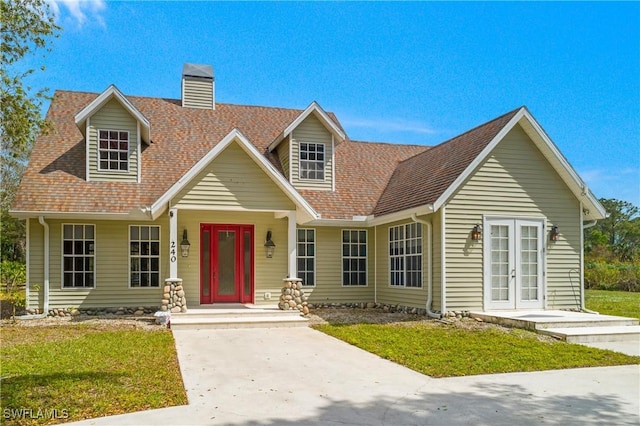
{"x":609,"y":302}
{"x":464,"y":348}
{"x":59,"y":373}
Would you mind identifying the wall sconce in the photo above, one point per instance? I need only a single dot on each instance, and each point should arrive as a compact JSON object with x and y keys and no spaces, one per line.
{"x":476,"y":233}
{"x":269,"y":245}
{"x":184,"y":244}
{"x":554,"y":234}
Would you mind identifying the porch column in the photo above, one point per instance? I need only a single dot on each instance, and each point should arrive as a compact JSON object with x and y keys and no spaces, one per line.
{"x":292,"y":244}
{"x":173,"y":243}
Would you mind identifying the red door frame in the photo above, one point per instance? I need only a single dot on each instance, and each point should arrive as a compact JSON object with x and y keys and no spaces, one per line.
{"x":240,"y":295}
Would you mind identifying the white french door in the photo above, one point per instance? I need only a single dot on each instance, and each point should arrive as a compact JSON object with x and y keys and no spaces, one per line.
{"x":513,"y":263}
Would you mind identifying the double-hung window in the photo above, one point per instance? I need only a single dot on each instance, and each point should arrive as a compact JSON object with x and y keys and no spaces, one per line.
{"x":78,"y":256}
{"x":113,"y":150}
{"x":144,"y":252}
{"x":307,"y":256}
{"x":405,"y":255}
{"x":312,"y":161}
{"x":354,"y":257}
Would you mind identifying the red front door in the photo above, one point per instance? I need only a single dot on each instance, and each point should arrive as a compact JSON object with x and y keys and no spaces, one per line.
{"x":226,"y":263}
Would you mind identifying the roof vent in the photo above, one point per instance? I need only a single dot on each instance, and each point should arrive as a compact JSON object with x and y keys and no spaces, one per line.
{"x":198,"y":86}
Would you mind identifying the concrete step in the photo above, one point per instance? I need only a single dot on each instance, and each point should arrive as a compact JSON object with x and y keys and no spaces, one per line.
{"x":547,"y":320}
{"x":236,"y":321}
{"x":595,"y":334}
{"x":235,"y":313}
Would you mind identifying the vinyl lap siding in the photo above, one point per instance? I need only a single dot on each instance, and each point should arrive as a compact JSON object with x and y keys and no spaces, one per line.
{"x":112,"y":116}
{"x":405,"y":296}
{"x":233,"y":180}
{"x":111,"y":267}
{"x":516,"y":180}
{"x":283,"y":155}
{"x":329,"y":270}
{"x":311,"y":130}
{"x":268,"y":273}
{"x":197,"y":93}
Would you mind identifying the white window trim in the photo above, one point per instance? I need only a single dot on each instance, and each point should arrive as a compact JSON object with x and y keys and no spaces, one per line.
{"x":100,"y":169}
{"x":315,"y":251}
{"x":404,"y":256}
{"x":366,"y":258}
{"x":95,"y":257}
{"x":160,"y":281}
{"x":300,"y":160}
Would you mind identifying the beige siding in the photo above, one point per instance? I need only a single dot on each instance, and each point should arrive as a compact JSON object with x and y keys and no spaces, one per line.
{"x":436,"y":305}
{"x":405,"y":296}
{"x":311,"y":130}
{"x":329,"y":286}
{"x":268,"y":273}
{"x":111,"y":267}
{"x":515,"y":180}
{"x":197,"y":93}
{"x":233,"y":179}
{"x":112,"y":116}
{"x":35,"y":280}
{"x":283,"y":155}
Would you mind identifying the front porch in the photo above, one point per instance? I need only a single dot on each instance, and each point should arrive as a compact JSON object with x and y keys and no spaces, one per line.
{"x":237,"y":315}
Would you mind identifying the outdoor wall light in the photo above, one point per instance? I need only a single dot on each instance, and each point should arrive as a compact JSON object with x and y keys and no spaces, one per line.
{"x":184,"y":244}
{"x":476,"y":233}
{"x":554,"y":234}
{"x":269,"y":245}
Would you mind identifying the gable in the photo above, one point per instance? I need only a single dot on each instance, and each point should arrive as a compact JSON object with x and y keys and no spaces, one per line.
{"x":233,"y":181}
{"x":112,"y":117}
{"x":311,"y":131}
{"x":517,"y":177}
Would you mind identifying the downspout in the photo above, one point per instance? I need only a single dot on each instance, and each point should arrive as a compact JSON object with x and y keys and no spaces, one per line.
{"x":45,"y":305}
{"x":375,"y":264}
{"x":429,"y":302}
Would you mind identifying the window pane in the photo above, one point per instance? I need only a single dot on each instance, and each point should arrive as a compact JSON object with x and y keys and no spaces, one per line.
{"x":144,"y":232}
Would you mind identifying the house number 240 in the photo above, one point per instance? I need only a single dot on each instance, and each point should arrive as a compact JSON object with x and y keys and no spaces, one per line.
{"x":173,"y":252}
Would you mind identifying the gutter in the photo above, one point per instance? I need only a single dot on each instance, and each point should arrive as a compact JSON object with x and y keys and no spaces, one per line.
{"x":45,"y":305}
{"x":429,"y":302}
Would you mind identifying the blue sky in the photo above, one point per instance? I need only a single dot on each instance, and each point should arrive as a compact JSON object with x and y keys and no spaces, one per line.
{"x":418,"y":72}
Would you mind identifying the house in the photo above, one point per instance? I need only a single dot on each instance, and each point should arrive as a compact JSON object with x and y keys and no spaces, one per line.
{"x":129,"y":193}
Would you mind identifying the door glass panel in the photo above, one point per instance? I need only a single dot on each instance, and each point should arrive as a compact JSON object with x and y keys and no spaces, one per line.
{"x":529,"y":262}
{"x":226,"y":263}
{"x":205,"y":277}
{"x":247,"y":263}
{"x":499,"y":262}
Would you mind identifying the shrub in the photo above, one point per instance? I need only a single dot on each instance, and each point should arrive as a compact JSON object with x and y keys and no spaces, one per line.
{"x":612,"y":276}
{"x":13,"y":276}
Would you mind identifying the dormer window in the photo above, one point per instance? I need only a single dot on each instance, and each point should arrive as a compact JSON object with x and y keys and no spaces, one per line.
{"x":312,"y":161}
{"x":113,"y":150}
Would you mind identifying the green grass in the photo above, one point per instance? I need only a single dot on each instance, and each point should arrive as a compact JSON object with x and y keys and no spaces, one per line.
{"x":441,"y":350}
{"x":85,"y":371}
{"x":621,"y":303}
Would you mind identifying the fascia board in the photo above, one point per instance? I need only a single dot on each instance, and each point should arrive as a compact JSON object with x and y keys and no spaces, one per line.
{"x":79,"y":215}
{"x":235,"y":135}
{"x":401,"y":215}
{"x":320,"y":113}
{"x":101,"y":100}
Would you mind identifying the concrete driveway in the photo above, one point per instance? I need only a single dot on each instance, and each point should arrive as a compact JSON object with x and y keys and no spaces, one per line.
{"x":285,"y":376}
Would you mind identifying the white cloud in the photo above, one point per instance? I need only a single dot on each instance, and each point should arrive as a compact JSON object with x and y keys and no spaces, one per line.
{"x":394,"y":125}
{"x":80,"y":11}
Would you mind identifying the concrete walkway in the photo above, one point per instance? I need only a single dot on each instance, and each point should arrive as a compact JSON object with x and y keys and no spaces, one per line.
{"x":292,"y":376}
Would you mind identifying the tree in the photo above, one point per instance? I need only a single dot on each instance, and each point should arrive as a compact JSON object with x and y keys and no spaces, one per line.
{"x":618,"y":234}
{"x":26,"y":27}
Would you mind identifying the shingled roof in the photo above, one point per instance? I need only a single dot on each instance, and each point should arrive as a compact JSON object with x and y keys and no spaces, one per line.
{"x":55,"y":180}
{"x":422,"y":179}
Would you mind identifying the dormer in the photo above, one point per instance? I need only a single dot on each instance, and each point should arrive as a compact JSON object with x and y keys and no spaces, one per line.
{"x":114,"y":130}
{"x":306,"y":149}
